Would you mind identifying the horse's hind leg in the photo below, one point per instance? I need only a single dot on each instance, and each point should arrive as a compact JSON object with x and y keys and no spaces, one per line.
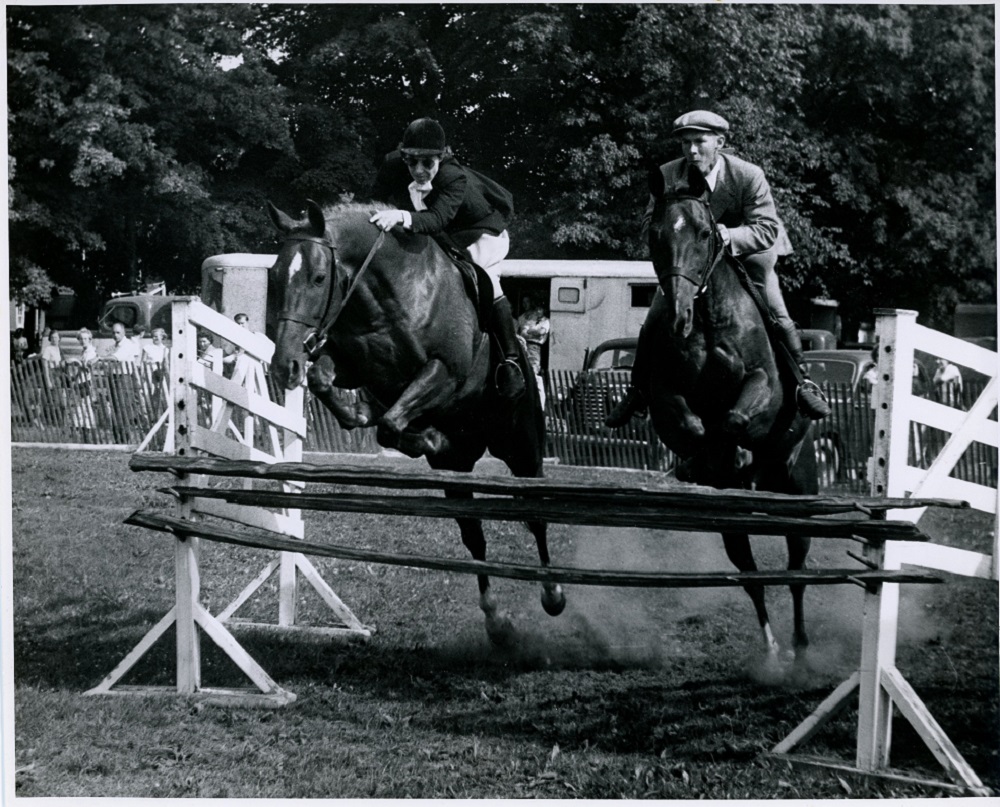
{"x":798,"y":548}
{"x":524,"y":458}
{"x":553,"y":599}
{"x":738,"y":549}
{"x":498,"y":626}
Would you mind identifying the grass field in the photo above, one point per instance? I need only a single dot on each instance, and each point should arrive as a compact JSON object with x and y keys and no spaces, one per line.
{"x":628,"y":694}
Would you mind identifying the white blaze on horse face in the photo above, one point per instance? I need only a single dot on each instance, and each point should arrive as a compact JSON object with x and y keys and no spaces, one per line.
{"x":294,"y":266}
{"x":679,"y":224}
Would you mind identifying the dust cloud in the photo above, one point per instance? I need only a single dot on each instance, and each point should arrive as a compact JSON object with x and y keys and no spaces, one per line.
{"x":654,"y":628}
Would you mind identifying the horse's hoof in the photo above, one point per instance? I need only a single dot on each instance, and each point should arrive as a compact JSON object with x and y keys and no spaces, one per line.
{"x":553,"y":600}
{"x":501,"y":631}
{"x":736,"y":423}
{"x":771,"y":669}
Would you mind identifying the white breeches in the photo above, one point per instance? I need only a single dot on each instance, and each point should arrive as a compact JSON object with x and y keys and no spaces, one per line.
{"x":488,"y":251}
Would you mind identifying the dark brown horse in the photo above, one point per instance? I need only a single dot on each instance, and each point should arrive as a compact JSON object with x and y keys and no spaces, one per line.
{"x":715,"y":392}
{"x":400,"y":326}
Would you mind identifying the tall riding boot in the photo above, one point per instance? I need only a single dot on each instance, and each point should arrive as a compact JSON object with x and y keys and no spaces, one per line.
{"x":509,"y":378}
{"x":808,"y":395}
{"x":633,"y":403}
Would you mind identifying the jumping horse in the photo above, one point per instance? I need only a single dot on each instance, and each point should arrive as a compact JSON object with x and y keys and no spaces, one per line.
{"x":390,"y":314}
{"x":717,"y":396}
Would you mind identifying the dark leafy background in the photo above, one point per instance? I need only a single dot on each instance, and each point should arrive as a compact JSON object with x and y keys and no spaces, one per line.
{"x":138,"y":149}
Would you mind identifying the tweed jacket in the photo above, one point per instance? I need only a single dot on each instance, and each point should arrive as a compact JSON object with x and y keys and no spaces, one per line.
{"x":455,"y":205}
{"x":741,"y":201}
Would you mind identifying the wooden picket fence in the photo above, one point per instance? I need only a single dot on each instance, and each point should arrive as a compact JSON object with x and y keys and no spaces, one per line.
{"x":113,"y":403}
{"x":104,"y":403}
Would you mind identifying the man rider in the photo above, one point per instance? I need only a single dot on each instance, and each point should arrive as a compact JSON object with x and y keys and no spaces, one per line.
{"x":434,"y":195}
{"x":748,"y":224}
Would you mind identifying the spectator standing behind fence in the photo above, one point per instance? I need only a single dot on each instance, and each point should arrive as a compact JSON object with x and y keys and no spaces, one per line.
{"x":89,"y":353}
{"x":238,"y":363}
{"x":155,"y":352}
{"x":211,"y":357}
{"x":947,"y":383}
{"x":533,"y":327}
{"x":123,"y":349}
{"x":82,"y":416}
{"x":18,"y":346}
{"x":51,"y":351}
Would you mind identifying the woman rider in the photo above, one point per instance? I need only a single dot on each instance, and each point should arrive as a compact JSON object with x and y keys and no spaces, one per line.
{"x":434,"y":195}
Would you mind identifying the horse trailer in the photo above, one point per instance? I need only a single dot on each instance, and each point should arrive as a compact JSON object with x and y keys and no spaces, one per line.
{"x":587,"y":302}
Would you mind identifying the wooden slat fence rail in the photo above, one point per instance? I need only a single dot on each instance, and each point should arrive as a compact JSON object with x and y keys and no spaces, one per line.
{"x":680,"y":497}
{"x":116,"y":404}
{"x":104,"y":403}
{"x":180,"y":528}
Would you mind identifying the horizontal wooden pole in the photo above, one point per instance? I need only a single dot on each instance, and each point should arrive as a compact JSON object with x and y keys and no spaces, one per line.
{"x":599,"y":512}
{"x":683,"y":496}
{"x":185,"y":529}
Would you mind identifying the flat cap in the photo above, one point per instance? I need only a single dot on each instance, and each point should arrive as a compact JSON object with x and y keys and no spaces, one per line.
{"x":701,"y":120}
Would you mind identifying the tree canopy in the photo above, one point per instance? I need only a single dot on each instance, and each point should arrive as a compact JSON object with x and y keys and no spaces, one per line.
{"x":143,"y":139}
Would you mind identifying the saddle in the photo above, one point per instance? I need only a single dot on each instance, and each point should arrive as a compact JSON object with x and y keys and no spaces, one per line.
{"x":478,"y":285}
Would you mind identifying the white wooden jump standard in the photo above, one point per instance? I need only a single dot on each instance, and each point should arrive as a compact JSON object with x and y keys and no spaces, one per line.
{"x":190,"y":382}
{"x":879,"y":684}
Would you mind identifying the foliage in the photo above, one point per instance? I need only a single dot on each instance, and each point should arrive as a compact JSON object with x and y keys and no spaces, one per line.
{"x":146,"y":138}
{"x":135,"y":151}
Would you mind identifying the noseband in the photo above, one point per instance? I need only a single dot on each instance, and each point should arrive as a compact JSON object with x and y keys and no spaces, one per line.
{"x":714,"y":255}
{"x":316,"y":338}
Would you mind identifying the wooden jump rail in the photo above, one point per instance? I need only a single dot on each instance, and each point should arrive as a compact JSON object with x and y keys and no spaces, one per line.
{"x":515,"y":571}
{"x":689,"y":497}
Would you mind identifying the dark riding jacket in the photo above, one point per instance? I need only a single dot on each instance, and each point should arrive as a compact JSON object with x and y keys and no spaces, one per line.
{"x":741,"y":201}
{"x":455,"y":205}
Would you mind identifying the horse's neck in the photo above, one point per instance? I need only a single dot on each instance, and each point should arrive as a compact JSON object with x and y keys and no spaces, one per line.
{"x":726,"y":301}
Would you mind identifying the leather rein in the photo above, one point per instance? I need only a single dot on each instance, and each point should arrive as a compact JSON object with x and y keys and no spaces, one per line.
{"x":321,"y":326}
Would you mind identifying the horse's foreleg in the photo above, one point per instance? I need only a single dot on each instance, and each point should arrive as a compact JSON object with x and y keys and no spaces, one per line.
{"x":677,"y":425}
{"x":498,"y":626}
{"x":754,"y":398}
{"x":320,"y":378}
{"x":738,"y":550}
{"x":553,"y":599}
{"x":433,"y":386}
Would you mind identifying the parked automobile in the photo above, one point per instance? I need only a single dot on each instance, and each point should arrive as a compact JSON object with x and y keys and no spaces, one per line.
{"x":579,"y":403}
{"x":843,"y":440}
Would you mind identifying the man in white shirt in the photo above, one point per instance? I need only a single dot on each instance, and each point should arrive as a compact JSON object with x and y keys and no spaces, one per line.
{"x":124,"y":349}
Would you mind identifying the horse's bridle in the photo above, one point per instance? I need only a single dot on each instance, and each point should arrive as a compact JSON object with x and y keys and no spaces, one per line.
{"x":321,"y":326}
{"x":714,"y":255}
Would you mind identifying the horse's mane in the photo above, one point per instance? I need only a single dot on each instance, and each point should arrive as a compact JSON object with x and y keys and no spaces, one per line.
{"x":342,"y":209}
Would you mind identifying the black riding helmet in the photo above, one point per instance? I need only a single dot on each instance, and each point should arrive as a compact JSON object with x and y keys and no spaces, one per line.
{"x":423,"y":138}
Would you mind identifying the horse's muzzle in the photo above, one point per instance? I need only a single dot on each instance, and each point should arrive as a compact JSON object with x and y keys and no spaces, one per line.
{"x":290,"y":372}
{"x":681,"y":306}
{"x":288,"y":364}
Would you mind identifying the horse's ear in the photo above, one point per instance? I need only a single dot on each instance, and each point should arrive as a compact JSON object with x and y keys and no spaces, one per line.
{"x":281,"y":221}
{"x":697,"y":184}
{"x":657,"y":184}
{"x":316,"y":218}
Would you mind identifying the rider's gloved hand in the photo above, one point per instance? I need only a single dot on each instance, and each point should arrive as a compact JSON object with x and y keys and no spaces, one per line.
{"x":387,"y":219}
{"x":724,"y":234}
